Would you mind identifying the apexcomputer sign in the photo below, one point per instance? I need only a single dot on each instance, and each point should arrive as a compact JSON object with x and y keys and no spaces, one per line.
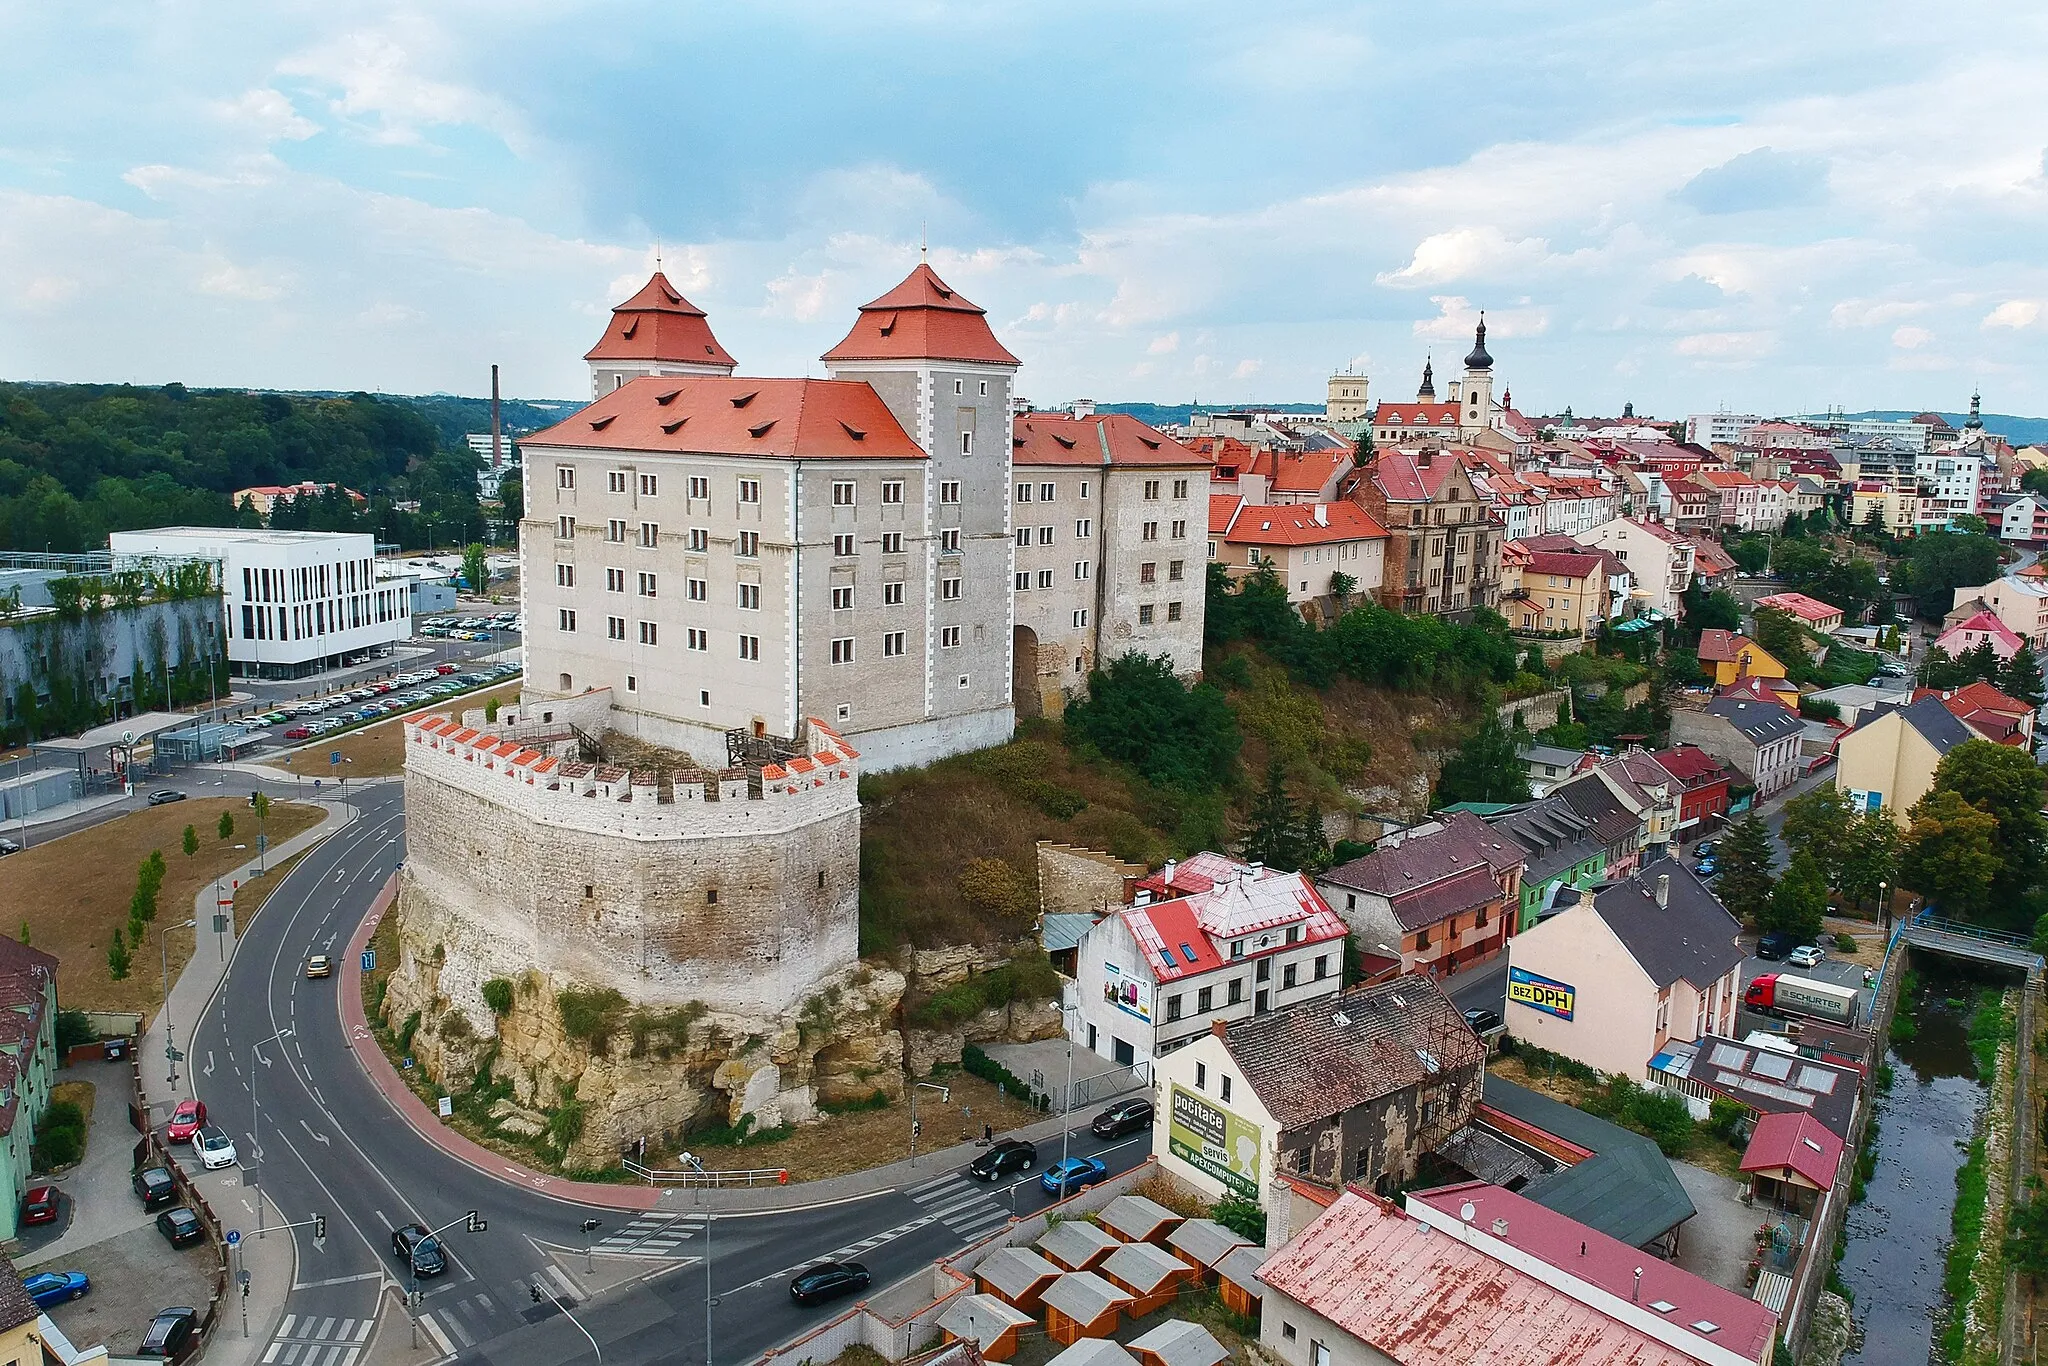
{"x":1540,"y":993}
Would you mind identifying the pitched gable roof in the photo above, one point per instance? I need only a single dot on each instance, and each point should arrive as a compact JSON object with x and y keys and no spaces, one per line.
{"x":809,"y":419}
{"x":659,"y":324}
{"x":1096,"y":440}
{"x":1760,"y":722}
{"x":1691,"y":936}
{"x":1936,"y":724}
{"x":1304,"y":524}
{"x":921,"y":319}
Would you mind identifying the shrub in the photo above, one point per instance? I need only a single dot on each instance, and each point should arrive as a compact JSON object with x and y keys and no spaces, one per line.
{"x":1242,"y":1216}
{"x":406,"y":1031}
{"x":878,"y":1100}
{"x":1025,"y":978}
{"x":74,"y":1027}
{"x":455,"y":1025}
{"x":498,"y":996}
{"x":60,"y":1136}
{"x":978,"y":1063}
{"x":1725,"y":1118}
{"x":990,"y":884}
{"x":591,"y":1017}
{"x":1845,"y":943}
{"x":565,"y":1125}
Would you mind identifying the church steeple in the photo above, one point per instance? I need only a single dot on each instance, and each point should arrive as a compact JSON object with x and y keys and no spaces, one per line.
{"x":1479,"y":359}
{"x":1427,"y":393}
{"x":1976,"y":422}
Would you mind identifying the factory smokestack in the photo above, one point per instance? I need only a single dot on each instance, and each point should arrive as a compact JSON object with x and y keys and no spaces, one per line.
{"x":497,"y":431}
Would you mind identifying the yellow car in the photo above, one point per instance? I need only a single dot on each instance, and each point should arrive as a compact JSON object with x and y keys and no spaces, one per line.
{"x":319,"y":966}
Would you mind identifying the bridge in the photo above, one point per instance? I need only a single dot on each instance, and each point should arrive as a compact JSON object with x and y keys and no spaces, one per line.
{"x":1960,"y":940}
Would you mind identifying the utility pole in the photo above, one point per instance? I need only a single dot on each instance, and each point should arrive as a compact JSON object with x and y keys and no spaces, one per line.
{"x":539,"y":1290}
{"x":163,"y":954}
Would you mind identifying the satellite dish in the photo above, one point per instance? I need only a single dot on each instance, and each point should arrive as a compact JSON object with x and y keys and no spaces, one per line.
{"x":1467,"y":1210}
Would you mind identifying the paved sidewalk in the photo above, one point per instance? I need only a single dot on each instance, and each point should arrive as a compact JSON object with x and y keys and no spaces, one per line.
{"x":101,"y":1206}
{"x":740,"y":1199}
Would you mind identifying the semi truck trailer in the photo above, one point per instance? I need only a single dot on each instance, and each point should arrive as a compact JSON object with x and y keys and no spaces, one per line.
{"x":1801,"y":997}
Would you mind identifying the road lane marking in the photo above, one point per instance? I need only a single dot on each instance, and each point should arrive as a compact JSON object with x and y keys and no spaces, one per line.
{"x":454,"y":1325}
{"x":333,"y":1280}
{"x":567,"y":1286}
{"x":434,"y":1332}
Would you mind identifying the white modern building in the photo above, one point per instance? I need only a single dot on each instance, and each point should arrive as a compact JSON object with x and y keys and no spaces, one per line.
{"x":1720,"y":429}
{"x":296,"y":602}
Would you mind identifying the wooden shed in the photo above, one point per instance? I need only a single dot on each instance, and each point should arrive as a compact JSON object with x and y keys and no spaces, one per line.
{"x":1151,"y":1274}
{"x":1237,"y":1279}
{"x":1179,"y":1343}
{"x":1202,"y":1243}
{"x":1094,"y":1352}
{"x":987,"y":1322}
{"x":1077,"y":1244}
{"x":1017,"y":1276}
{"x":1080,"y":1305}
{"x":1135,"y":1219}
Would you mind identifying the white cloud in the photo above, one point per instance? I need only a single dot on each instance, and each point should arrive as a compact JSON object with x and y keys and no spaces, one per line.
{"x":1727,"y":348}
{"x":1245,"y":369}
{"x":268,"y":113}
{"x":1457,"y":319}
{"x":386,"y":82}
{"x":1463,"y":253}
{"x":1873,"y":312}
{"x":2014,"y":313}
{"x":1911,"y":338}
{"x":1164,"y":345}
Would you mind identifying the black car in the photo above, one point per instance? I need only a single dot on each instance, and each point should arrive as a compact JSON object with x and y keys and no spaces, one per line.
{"x":155,"y":1186}
{"x":418,"y":1249}
{"x":828,"y":1281}
{"x":180,"y":1227}
{"x":1483,"y":1021}
{"x":1703,"y":849}
{"x":1776,"y":945}
{"x":172,"y":1334}
{"x":164,"y":796}
{"x":1010,"y":1155}
{"x":1125,"y":1117}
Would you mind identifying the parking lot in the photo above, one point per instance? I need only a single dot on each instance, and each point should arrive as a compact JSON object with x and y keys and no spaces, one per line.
{"x":317,"y":717}
{"x":134,"y":1275}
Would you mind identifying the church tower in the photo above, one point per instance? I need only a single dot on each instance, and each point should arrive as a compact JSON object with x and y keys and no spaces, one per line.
{"x":1427,"y":392}
{"x":1976,"y":422}
{"x":1476,"y":391}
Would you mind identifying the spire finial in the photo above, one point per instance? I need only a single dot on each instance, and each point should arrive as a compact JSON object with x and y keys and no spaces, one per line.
{"x":924,"y":244}
{"x":657,"y":256}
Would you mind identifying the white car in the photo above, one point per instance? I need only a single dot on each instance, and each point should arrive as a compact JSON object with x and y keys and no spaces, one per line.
{"x":216,"y":1149}
{"x":1806,"y":956}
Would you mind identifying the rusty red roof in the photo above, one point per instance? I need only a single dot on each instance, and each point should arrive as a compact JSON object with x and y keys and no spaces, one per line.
{"x":921,"y":319}
{"x":1299,"y":524}
{"x":659,"y":324}
{"x":1794,"y":1139}
{"x":1096,"y":440}
{"x":1416,"y":415}
{"x":809,"y":419}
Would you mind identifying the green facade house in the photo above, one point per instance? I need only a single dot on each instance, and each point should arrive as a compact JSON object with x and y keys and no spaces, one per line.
{"x":28,"y":1063}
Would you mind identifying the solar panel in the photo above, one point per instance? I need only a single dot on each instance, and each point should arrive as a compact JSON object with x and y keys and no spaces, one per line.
{"x":1728,"y":1055}
{"x":1818,"y":1079}
{"x":1776,"y":1066}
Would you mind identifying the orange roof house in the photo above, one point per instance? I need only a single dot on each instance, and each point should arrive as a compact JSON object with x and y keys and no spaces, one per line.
{"x":1813,"y":612}
{"x":1082,"y":1304}
{"x":988,"y":1323}
{"x":800,"y":419}
{"x":1016,"y":1275}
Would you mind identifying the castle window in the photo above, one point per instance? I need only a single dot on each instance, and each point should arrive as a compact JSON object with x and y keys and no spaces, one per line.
{"x":711,"y":896}
{"x":821,"y":879}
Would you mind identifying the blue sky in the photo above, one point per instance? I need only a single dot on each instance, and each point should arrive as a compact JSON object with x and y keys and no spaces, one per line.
{"x":1753,"y":205}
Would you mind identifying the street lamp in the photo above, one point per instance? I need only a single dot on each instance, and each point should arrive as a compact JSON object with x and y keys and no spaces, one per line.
{"x":256,"y":1120}
{"x":163,"y":954}
{"x":945,"y":1093}
{"x":469,"y":1221}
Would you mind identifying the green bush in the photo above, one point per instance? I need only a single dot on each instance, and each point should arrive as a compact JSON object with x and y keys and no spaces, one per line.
{"x":60,"y":1136}
{"x":978,"y":1063}
{"x":405,"y":1033}
{"x":1025,"y":978}
{"x":878,"y":1100}
{"x":1241,"y":1215}
{"x":498,"y":996}
{"x":1725,"y":1118}
{"x":1845,"y":943}
{"x":74,"y":1027}
{"x":591,"y":1017}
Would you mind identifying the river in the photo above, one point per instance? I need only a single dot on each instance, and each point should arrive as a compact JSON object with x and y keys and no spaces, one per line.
{"x":1898,"y":1236}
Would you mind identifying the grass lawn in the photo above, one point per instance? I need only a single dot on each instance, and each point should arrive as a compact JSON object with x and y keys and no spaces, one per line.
{"x":72,"y":893}
{"x":378,"y":749}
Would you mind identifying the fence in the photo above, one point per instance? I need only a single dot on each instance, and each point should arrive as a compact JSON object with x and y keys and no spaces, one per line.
{"x":1102,"y":1085}
{"x":654,"y":1176}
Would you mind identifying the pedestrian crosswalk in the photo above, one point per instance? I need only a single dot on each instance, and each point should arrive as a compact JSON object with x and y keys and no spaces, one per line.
{"x":318,"y":1340}
{"x":459,"y":1324}
{"x":651,"y":1235}
{"x":964,"y":1205}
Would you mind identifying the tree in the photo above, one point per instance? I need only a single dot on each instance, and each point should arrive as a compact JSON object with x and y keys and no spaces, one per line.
{"x":191,"y":841}
{"x":2035,"y":481}
{"x":1362,"y":453}
{"x":1943,"y":561}
{"x":1817,"y":824}
{"x":1780,"y":633}
{"x":2008,"y":786}
{"x":1800,"y":563}
{"x":1938,"y":670}
{"x":1950,"y":855}
{"x":1342,"y":586}
{"x":1873,"y":522}
{"x":1869,"y":857}
{"x":117,"y":957}
{"x":1798,"y":901}
{"x":476,"y":567}
{"x":1744,"y":858}
{"x":511,"y":501}
{"x":246,"y":515}
{"x":149,"y":880}
{"x":1485,"y":768}
{"x":1279,"y":833}
{"x":1715,"y":611}
{"x":1750,"y":554}
{"x":226,"y":826}
{"x":1138,"y":713}
{"x":2020,"y":678}
{"x":1980,"y":662}
{"x":260,"y":803}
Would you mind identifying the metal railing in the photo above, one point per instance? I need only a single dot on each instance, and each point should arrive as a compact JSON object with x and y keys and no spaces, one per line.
{"x":656,"y":1176}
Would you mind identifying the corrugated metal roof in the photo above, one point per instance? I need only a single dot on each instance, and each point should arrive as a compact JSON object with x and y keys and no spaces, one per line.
{"x":1177,"y":1342}
{"x":1063,"y":929}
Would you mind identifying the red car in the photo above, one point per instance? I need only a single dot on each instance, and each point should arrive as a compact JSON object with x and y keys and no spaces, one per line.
{"x":297,"y":733}
{"x":39,"y":1206}
{"x":186,"y":1120}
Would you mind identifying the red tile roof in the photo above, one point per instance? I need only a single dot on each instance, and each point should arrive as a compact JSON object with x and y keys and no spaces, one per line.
{"x":1801,"y":606}
{"x":1561,"y":563}
{"x":1097,"y":440}
{"x":1794,"y":1139}
{"x":811,"y":419}
{"x":921,"y":319}
{"x":1223,"y":511}
{"x":1406,"y":478}
{"x":1723,"y":479}
{"x":1308,"y":471}
{"x":659,"y":324}
{"x":1416,"y":415}
{"x":1296,"y":524}
{"x":1690,"y":764}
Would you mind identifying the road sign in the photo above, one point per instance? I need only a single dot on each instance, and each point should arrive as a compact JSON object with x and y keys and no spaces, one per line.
{"x":234,"y":1238}
{"x":334,"y":756}
{"x":262,"y":843}
{"x":369,"y":960}
{"x":174,"y":1054}
{"x":220,"y":922}
{"x":447,"y":1107}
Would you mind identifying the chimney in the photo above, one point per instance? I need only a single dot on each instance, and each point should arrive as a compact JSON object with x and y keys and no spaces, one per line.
{"x":1637,"y":1293}
{"x":1586,"y":897}
{"x":1322,"y":514}
{"x":1663,"y":890}
{"x":1084,"y":407}
{"x":1143,"y":898}
{"x":1258,"y":870}
{"x":1422,"y":458}
{"x":1220,"y":1028}
{"x":1500,"y":1228}
{"x":1166,"y":874}
{"x":497,"y":429}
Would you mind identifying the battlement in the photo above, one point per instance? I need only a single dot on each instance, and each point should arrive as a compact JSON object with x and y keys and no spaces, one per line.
{"x":820,"y":782}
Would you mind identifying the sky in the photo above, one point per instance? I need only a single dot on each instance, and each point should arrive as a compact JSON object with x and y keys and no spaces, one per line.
{"x":1743,"y":205}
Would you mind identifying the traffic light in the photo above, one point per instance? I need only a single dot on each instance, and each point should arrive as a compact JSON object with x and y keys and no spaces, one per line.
{"x":535,"y":1288}
{"x":591,"y":1225}
{"x":917,"y":1128}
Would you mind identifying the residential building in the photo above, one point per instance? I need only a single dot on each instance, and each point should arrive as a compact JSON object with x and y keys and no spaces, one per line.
{"x":1308,"y":546}
{"x":1812,"y":613}
{"x":1737,"y":497}
{"x":1355,"y":1087}
{"x":1560,"y":854}
{"x":1304,"y":476}
{"x":1549,"y":765}
{"x":1855,"y":700}
{"x":1765,"y":1076}
{"x":2025,"y":519}
{"x":28,"y":1064}
{"x":1722,"y":429}
{"x":1695,"y":506}
{"x":264,"y":497}
{"x":720,"y":555}
{"x":1994,"y":716}
{"x":1088,"y":584}
{"x":1348,"y":397}
{"x":1443,"y":550}
{"x":1952,"y":484}
{"x":1712,"y":567}
{"x":1646,"y":797}
{"x":2019,"y":599}
{"x":1908,"y":435}
{"x":656,"y":332}
{"x":1367,"y":1284}
{"x":1658,"y":558}
{"x":1205,"y":939}
{"x":1979,"y":628}
{"x":1759,"y":740}
{"x":1440,"y":897}
{"x":1553,"y":592}
{"x":23,"y":1326}
{"x":295,"y":602}
{"x":1887,"y":762}
{"x":1730,"y":658}
{"x":1631,"y":966}
{"x":1702,"y":783}
{"x":1792,"y":1159}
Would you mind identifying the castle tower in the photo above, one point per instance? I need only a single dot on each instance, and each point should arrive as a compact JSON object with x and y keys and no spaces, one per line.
{"x":656,"y":332}
{"x":1426,"y":392}
{"x":932,"y":357}
{"x":1346,"y":400}
{"x":1476,"y":391}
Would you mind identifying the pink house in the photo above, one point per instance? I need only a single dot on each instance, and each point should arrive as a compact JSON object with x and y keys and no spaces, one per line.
{"x":1983,"y":628}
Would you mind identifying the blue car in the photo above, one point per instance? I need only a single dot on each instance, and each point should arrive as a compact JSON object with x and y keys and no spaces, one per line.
{"x":1707,"y":868}
{"x":1067,"y":1176}
{"x":54,"y":1287}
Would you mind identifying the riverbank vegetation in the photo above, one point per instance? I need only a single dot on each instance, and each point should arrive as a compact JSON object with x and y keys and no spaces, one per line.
{"x":1973,"y":1274}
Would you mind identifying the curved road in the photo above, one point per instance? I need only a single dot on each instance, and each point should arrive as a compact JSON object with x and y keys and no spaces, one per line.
{"x":323,"y":1139}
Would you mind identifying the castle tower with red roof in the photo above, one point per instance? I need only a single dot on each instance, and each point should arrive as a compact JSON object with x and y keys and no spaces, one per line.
{"x":656,"y":332}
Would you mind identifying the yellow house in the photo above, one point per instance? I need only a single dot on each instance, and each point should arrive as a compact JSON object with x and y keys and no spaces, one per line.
{"x":1549,"y":590}
{"x":21,"y":1343}
{"x":1733,"y":658}
{"x":1887,"y":763}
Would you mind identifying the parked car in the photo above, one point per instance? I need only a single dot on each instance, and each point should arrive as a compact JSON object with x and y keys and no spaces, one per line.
{"x":180,"y":1227}
{"x":418,"y":1249}
{"x":1010,"y":1155}
{"x":173,"y":1333}
{"x":1704,"y":849}
{"x":39,"y":1206}
{"x":828,"y":1281}
{"x":155,"y":1186}
{"x":186,"y":1120}
{"x":55,"y":1287}
{"x":216,"y":1149}
{"x":164,"y":796}
{"x":1071,"y":1174}
{"x":1707,"y":867}
{"x":1125,"y":1117}
{"x":319,"y":965}
{"x":1775,"y":945}
{"x":7,"y":847}
{"x":1806,"y":956}
{"x":298,"y":733}
{"x":1483,"y":1021}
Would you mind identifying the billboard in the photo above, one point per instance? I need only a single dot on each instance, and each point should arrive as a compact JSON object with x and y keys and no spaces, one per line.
{"x":1541,"y":993}
{"x":1214,"y":1141}
{"x":1128,"y":993}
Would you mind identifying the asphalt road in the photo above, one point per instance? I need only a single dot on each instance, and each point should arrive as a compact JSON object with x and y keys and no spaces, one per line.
{"x":329,"y":1143}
